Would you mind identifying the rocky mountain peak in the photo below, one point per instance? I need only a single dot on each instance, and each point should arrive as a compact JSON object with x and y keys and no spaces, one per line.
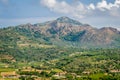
{"x":65,"y":30}
{"x":65,"y":19}
{"x":109,"y":29}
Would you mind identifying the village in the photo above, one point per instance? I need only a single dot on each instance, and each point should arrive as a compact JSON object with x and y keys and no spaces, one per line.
{"x":29,"y":73}
{"x":32,"y":74}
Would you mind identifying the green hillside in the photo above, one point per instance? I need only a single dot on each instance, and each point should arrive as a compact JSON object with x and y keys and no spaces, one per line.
{"x":62,"y":49}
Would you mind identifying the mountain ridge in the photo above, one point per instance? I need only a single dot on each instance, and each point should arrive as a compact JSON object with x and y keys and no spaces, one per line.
{"x":67,"y":31}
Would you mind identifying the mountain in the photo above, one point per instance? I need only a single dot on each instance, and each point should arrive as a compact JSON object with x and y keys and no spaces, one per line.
{"x":62,"y":32}
{"x":44,"y":50}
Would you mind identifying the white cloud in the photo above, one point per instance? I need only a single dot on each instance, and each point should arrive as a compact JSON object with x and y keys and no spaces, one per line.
{"x":103,"y":5}
{"x":117,"y":2}
{"x":81,"y":10}
{"x":56,"y":6}
{"x":91,"y":6}
{"x":49,"y":3}
{"x":65,"y":8}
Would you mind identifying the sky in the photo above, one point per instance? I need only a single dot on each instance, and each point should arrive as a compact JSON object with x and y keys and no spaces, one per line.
{"x":98,"y":13}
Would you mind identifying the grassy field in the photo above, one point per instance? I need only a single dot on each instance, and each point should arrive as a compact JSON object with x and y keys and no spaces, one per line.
{"x":6,"y":69}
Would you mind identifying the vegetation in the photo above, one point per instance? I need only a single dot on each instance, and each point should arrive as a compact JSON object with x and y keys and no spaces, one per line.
{"x":27,"y":54}
{"x":59,"y":63}
{"x":74,"y":36}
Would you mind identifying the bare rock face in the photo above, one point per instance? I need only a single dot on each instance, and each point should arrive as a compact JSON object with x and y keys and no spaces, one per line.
{"x":64,"y":29}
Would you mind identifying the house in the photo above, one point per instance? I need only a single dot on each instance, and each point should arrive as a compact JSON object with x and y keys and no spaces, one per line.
{"x":9,"y":75}
{"x":86,"y":72}
{"x":115,"y":71}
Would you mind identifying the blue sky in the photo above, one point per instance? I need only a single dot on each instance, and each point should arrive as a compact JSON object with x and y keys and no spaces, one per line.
{"x":98,"y":13}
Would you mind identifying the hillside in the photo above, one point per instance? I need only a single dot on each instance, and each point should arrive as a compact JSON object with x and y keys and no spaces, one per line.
{"x":52,"y":37}
{"x":60,"y":47}
{"x":67,"y":32}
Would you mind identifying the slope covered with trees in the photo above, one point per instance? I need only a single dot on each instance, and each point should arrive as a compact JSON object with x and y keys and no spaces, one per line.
{"x":62,"y":47}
